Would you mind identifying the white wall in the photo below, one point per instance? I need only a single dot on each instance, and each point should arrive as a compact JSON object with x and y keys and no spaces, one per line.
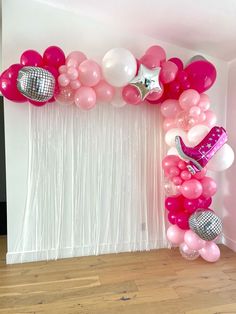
{"x":31,"y":24}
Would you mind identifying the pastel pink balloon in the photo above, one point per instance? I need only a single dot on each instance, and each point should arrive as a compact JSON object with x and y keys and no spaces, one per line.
{"x":170,"y":108}
{"x":65,"y":96}
{"x":75,"y":58}
{"x":178,"y":62}
{"x":210,"y":252}
{"x":191,"y":189}
{"x":184,"y":121}
{"x":175,"y":235}
{"x":104,"y":91}
{"x":210,"y":118}
{"x":62,"y":69}
{"x":54,"y":56}
{"x":202,"y":117}
{"x":182,"y":165}
{"x":194,"y":111}
{"x":169,"y":161}
{"x":75,"y":84}
{"x":157,"y":51}
{"x":72,"y":73}
{"x":150,"y":61}
{"x":63,"y":80}
{"x":169,"y":71}
{"x":188,"y":99}
{"x":204,"y":102}
{"x":31,"y":58}
{"x":89,"y":73}
{"x":173,"y":171}
{"x":201,"y":174}
{"x":169,"y":124}
{"x":209,"y":187}
{"x":131,"y":95}
{"x":177,"y":180}
{"x":193,"y":241}
{"x":85,"y":98}
{"x":185,"y":175}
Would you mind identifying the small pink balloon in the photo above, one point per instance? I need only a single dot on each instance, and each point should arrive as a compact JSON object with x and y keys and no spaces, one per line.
{"x":204,"y":103}
{"x":194,"y":111}
{"x":173,"y":171}
{"x":191,"y":189}
{"x":175,"y":235}
{"x":210,"y":252}
{"x":182,"y":220}
{"x":177,"y":180}
{"x":201,"y":174}
{"x":150,"y":61}
{"x":185,"y":175}
{"x":169,"y":71}
{"x":54,"y":56}
{"x":31,"y":58}
{"x":62,"y":69}
{"x":182,"y":165}
{"x":170,"y":108}
{"x":89,"y":73}
{"x":188,"y":253}
{"x":184,"y":121}
{"x":104,"y":91}
{"x":169,"y":124}
{"x":72,"y":73}
{"x":209,"y":187}
{"x":63,"y":80}
{"x":188,"y":99}
{"x":131,"y":95}
{"x":210,"y":118}
{"x":85,"y":98}
{"x":75,"y":58}
{"x":193,"y":241}
{"x":65,"y":96}
{"x":75,"y":84}
{"x":178,"y":62}
{"x":157,"y":51}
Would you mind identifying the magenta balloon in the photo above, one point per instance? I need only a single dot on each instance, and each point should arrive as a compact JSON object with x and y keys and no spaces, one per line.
{"x":174,"y":90}
{"x":31,"y":58}
{"x":54,"y":56}
{"x":209,"y":187}
{"x":201,"y":75}
{"x":191,"y":205}
{"x":178,"y":62}
{"x":173,"y":203}
{"x":204,"y":202}
{"x":191,"y":189}
{"x":131,"y":95}
{"x":172,"y":217}
{"x":182,"y":221}
{"x":37,"y":103}
{"x":175,"y":235}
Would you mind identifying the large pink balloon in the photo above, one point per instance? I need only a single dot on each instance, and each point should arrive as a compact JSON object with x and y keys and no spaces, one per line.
{"x":157,"y":51}
{"x":211,"y":118}
{"x":209,"y":187}
{"x":150,"y":61}
{"x":210,"y":252}
{"x":75,"y":58}
{"x":169,"y":71}
{"x":31,"y":58}
{"x":169,"y":161}
{"x":89,"y":73}
{"x":131,"y":95}
{"x":178,"y":62}
{"x":201,"y":75}
{"x":54,"y":56}
{"x":193,"y":241}
{"x":104,"y":91}
{"x":170,"y":108}
{"x":85,"y":98}
{"x":191,"y":189}
{"x":175,"y":235}
{"x":189,"y":98}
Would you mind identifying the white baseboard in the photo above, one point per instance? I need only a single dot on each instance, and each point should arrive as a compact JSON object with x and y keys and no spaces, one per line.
{"x":228,"y":242}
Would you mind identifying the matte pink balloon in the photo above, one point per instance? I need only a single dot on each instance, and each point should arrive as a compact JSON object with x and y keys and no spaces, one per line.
{"x":170,"y":108}
{"x":209,"y":187}
{"x":178,"y":62}
{"x":75,"y":58}
{"x":131,"y":95}
{"x":31,"y":58}
{"x":193,"y":241}
{"x":210,"y":118}
{"x":169,"y":71}
{"x":182,"y":220}
{"x":175,"y":235}
{"x":201,"y":74}
{"x":188,"y":99}
{"x":89,"y":73}
{"x":104,"y":91}
{"x":150,"y":61}
{"x":210,"y":252}
{"x":85,"y":98}
{"x":169,"y":124}
{"x":204,"y":103}
{"x":169,"y":161}
{"x":191,"y":189}
{"x":54,"y":56}
{"x":157,"y":51}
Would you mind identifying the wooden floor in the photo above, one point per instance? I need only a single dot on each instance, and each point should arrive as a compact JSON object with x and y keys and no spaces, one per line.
{"x":159,"y":282}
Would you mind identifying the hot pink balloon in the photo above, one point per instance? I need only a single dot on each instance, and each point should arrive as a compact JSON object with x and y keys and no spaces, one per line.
{"x":169,"y":161}
{"x":157,"y":51}
{"x":210,"y":252}
{"x":191,"y":205}
{"x":169,"y":71}
{"x":131,"y":95}
{"x":85,"y":98}
{"x":182,"y":77}
{"x":169,"y":124}
{"x":172,"y":203}
{"x":178,"y":62}
{"x":170,"y":108}
{"x":174,"y":89}
{"x":150,"y":61}
{"x":201,"y":74}
{"x":75,"y":58}
{"x":204,"y":202}
{"x":193,"y":241}
{"x":209,"y":187}
{"x":188,"y":99}
{"x":31,"y":58}
{"x":175,"y":235}
{"x":89,"y":73}
{"x":204,"y":103}
{"x":172,"y":216}
{"x":210,"y":118}
{"x":37,"y":103}
{"x":54,"y":56}
{"x":104,"y":91}
{"x":182,"y":220}
{"x":191,"y":189}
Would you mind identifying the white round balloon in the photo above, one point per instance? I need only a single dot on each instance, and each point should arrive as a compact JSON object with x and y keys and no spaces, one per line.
{"x":222,"y":160}
{"x":197,"y":133}
{"x":172,"y":133}
{"x":119,"y":66}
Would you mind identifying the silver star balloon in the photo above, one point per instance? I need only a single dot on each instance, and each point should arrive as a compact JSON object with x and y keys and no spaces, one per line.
{"x":147,"y":81}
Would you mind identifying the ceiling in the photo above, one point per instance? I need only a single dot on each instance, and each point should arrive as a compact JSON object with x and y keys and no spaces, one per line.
{"x":208,"y":26}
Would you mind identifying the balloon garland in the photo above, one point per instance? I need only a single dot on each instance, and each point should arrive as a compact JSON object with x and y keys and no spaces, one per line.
{"x":196,"y":143}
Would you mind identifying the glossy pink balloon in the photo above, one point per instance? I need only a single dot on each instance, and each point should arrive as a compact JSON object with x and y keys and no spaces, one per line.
{"x":31,"y":58}
{"x":85,"y":98}
{"x":54,"y":56}
{"x":191,"y":205}
{"x":169,"y":161}
{"x":157,"y":51}
{"x":204,"y":103}
{"x":182,"y":220}
{"x":210,"y":252}
{"x":75,"y":58}
{"x":210,"y":118}
{"x":172,"y":216}
{"x":201,"y":174}
{"x":104,"y":91}
{"x":209,"y":187}
{"x":201,"y":75}
{"x":170,"y":108}
{"x":175,"y":235}
{"x":178,"y":62}
{"x":191,"y":189}
{"x":169,"y":71}
{"x":173,"y":203}
{"x":204,"y":202}
{"x":174,"y":90}
{"x":131,"y":95}
{"x":150,"y":61}
{"x":188,"y":99}
{"x":169,"y":124}
{"x":185,"y":175}
{"x":89,"y":73}
{"x":193,"y":241}
{"x":173,"y":171}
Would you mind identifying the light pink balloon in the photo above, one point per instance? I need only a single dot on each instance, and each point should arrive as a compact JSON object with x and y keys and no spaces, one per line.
{"x":75,"y":84}
{"x":157,"y":51}
{"x":210,"y":118}
{"x":202,"y":117}
{"x":189,"y":98}
{"x":184,"y":121}
{"x":72,"y":73}
{"x":210,"y":252}
{"x":85,"y":98}
{"x":175,"y":235}
{"x":177,"y":180}
{"x":150,"y":61}
{"x":188,"y":253}
{"x":168,"y":72}
{"x":75,"y":58}
{"x":63,"y":80}
{"x":62,"y":69}
{"x":169,"y":124}
{"x":195,"y":111}
{"x":193,"y":241}
{"x":170,"y":108}
{"x":104,"y":91}
{"x":204,"y":102}
{"x":191,"y":189}
{"x":201,"y":174}
{"x":185,"y":175}
{"x":209,"y":187}
{"x":65,"y":96}
{"x":89,"y":73}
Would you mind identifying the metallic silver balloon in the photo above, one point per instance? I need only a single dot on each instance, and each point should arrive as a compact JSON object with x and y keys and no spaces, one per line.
{"x":196,"y":58}
{"x":36,"y":83}
{"x":206,"y":224}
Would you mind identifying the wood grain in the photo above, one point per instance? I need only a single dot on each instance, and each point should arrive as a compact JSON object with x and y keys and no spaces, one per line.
{"x":159,"y":281}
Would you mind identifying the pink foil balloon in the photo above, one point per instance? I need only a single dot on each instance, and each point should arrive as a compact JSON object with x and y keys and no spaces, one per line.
{"x":157,"y":51}
{"x":89,"y":73}
{"x":169,"y":71}
{"x":210,"y":252}
{"x":209,"y":187}
{"x":204,"y":103}
{"x":175,"y":235}
{"x":170,"y":108}
{"x":54,"y":56}
{"x":131,"y":95}
{"x":31,"y":58}
{"x":191,"y":189}
{"x":104,"y":91}
{"x":178,"y":62}
{"x":169,"y":124}
{"x":193,"y":241}
{"x":85,"y":98}
{"x":75,"y":58}
{"x":188,"y":99}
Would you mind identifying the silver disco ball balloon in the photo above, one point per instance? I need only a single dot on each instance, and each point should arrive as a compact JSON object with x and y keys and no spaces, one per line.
{"x":36,"y":83}
{"x":206,"y":224}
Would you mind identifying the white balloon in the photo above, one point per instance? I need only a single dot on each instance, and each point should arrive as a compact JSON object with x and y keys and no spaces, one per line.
{"x":197,"y":133}
{"x":119,"y":66}
{"x":222,"y":160}
{"x":117,"y":100}
{"x":172,"y":133}
{"x":174,"y":151}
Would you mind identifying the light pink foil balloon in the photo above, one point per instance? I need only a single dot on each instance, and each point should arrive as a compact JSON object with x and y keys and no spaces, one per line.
{"x":85,"y":98}
{"x":75,"y":58}
{"x":210,"y":118}
{"x":175,"y":235}
{"x":65,"y":96}
{"x":63,"y":80}
{"x":204,"y":102}
{"x":104,"y":91}
{"x":170,"y":108}
{"x":89,"y":73}
{"x":168,"y":72}
{"x":188,"y":253}
{"x":189,"y":98}
{"x":210,"y":252}
{"x":169,"y":124}
{"x":193,"y":241}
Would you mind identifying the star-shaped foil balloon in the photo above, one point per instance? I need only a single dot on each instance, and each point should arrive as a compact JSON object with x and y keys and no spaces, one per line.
{"x":147,"y":81}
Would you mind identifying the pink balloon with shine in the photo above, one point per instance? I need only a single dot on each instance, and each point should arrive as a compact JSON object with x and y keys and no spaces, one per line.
{"x":89,"y":73}
{"x":175,"y":235}
{"x":104,"y":91}
{"x":85,"y":98}
{"x":31,"y":58}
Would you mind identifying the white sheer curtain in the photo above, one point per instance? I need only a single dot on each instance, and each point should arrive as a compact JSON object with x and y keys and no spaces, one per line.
{"x":95,"y":183}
